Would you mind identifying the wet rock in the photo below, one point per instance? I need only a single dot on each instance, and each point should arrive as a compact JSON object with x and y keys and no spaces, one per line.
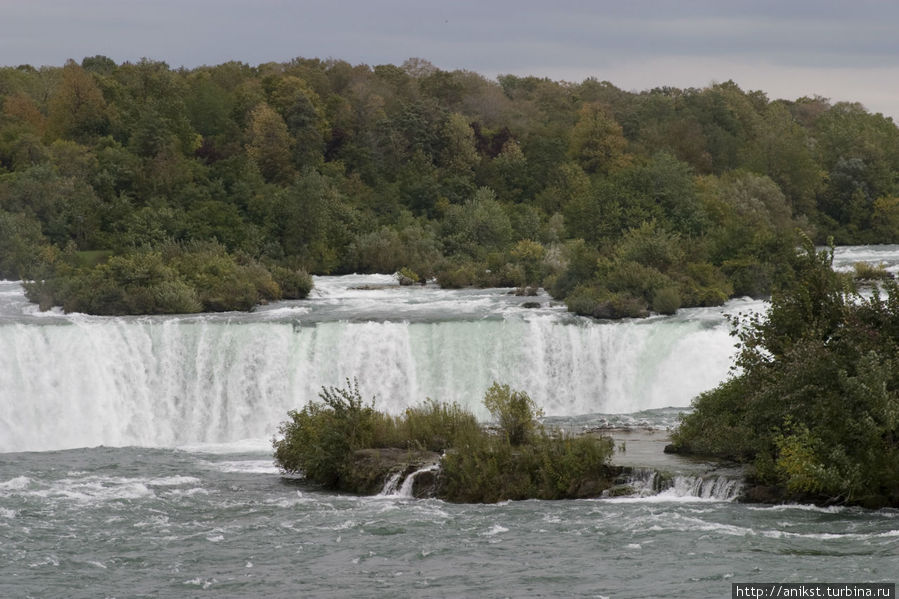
{"x":372,"y":467}
{"x":425,"y":484}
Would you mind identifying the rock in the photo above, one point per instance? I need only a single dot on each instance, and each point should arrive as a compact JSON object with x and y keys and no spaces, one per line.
{"x":530,"y":305}
{"x":425,"y":485}
{"x":591,"y":488}
{"x":619,"y":491}
{"x":527,"y":291}
{"x":762,"y":494}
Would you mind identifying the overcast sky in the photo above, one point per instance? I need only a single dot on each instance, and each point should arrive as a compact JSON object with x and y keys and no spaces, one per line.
{"x":787,"y":48}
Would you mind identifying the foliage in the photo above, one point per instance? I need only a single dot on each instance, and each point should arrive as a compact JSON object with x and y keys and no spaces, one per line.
{"x":816,"y":404}
{"x":318,"y":440}
{"x":294,"y":283}
{"x":550,"y":466}
{"x":176,"y":279}
{"x":326,"y":167}
{"x":515,"y":412}
{"x":865,"y":271}
{"x":321,"y":440}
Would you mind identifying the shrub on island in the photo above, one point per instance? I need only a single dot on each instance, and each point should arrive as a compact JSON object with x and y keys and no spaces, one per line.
{"x":331,"y":441}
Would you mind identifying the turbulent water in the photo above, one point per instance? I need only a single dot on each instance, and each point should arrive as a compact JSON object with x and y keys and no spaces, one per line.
{"x":135,"y":460}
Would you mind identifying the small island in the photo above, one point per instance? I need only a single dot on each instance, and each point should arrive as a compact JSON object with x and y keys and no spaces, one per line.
{"x":343,"y":443}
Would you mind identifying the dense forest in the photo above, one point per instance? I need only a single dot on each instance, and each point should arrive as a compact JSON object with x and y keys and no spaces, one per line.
{"x":138,"y":188}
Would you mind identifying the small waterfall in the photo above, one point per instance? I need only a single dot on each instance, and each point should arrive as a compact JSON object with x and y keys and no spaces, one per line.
{"x":393,"y":488}
{"x":409,"y":483}
{"x":718,"y":488}
{"x":390,"y":485}
{"x":647,"y":482}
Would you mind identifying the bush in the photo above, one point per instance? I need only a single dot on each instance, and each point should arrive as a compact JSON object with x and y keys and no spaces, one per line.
{"x":601,"y":303}
{"x":515,"y":412}
{"x":406,"y":276}
{"x":749,"y":276}
{"x":457,"y":276}
{"x":325,"y":439}
{"x":864,"y":271}
{"x":666,"y":300}
{"x":20,"y":243}
{"x":584,"y":299}
{"x":294,"y":283}
{"x":175,"y":279}
{"x":633,"y":279}
{"x":815,"y":405}
{"x":435,"y":426}
{"x":705,"y":285}
{"x":319,"y":439}
{"x":549,"y":466}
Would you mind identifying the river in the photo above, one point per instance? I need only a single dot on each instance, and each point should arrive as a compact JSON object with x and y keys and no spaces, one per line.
{"x":135,"y":455}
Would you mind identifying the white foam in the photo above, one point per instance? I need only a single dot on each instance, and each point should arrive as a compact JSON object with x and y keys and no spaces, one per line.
{"x":255,"y":445}
{"x":494,"y":530}
{"x":246,"y":466}
{"x":173,"y":481}
{"x":15,"y":484}
{"x":830,"y":509}
{"x":187,"y":492}
{"x":204,"y":583}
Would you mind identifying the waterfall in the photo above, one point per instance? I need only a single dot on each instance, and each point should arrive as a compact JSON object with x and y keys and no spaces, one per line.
{"x":77,"y":381}
{"x":648,"y":482}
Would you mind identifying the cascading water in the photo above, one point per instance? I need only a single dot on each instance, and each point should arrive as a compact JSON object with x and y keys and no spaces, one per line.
{"x":74,"y":380}
{"x":647,"y":482}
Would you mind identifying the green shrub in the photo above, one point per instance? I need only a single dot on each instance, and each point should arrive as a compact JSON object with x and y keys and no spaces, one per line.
{"x":666,"y":300}
{"x":815,"y":405}
{"x":174,"y":279}
{"x":704,"y":285}
{"x":457,"y":276}
{"x":601,"y":303}
{"x":528,"y":256}
{"x":407,"y":276}
{"x":319,"y":439}
{"x":514,"y":411}
{"x":871,"y":272}
{"x":584,"y":299}
{"x":634,"y":279}
{"x":651,"y":245}
{"x":549,"y":466}
{"x":435,"y":426}
{"x":749,"y":276}
{"x":294,"y":283}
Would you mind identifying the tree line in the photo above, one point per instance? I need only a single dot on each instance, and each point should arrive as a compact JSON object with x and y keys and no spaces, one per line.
{"x":136,"y":187}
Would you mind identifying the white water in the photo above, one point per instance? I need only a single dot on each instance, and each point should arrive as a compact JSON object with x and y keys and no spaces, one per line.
{"x":71,"y":381}
{"x":650,"y":485}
